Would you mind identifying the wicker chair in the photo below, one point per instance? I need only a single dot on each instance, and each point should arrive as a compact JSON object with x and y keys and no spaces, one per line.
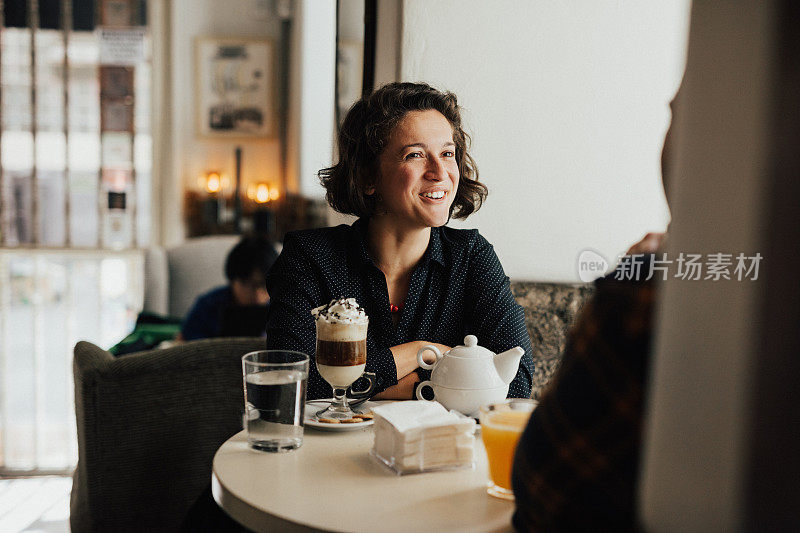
{"x":148,"y":426}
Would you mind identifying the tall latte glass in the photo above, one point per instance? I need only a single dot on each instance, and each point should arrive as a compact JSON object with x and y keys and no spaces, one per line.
{"x":341,"y":355}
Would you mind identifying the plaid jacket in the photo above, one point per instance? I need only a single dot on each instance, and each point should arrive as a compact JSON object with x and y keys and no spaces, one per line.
{"x":576,"y":465}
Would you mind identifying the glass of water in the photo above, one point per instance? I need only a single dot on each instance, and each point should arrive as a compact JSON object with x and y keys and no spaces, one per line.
{"x":274,"y":399}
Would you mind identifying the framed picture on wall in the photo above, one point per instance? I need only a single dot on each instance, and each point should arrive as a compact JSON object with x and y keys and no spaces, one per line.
{"x":235,"y":87}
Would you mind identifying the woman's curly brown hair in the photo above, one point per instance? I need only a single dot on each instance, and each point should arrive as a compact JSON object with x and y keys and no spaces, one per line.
{"x":364,"y":134}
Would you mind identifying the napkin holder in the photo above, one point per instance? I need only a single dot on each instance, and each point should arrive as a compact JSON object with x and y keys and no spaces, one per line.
{"x":420,"y":436}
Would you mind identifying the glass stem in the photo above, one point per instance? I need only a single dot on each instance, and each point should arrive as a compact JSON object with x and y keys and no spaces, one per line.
{"x":340,"y":398}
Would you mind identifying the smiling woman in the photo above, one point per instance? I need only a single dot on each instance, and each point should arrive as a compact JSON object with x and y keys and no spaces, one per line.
{"x":418,"y":174}
{"x":373,"y":123}
{"x":404,"y":169}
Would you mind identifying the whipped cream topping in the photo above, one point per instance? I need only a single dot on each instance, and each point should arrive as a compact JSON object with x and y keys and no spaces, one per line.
{"x":341,"y":311}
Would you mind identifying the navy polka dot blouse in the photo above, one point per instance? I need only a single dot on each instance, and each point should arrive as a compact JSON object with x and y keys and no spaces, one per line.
{"x":458,"y":289}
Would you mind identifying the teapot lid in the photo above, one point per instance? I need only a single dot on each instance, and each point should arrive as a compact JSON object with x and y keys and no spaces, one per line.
{"x":470,"y":349}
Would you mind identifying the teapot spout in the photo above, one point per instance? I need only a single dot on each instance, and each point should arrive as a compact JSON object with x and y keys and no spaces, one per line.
{"x":507,"y":363}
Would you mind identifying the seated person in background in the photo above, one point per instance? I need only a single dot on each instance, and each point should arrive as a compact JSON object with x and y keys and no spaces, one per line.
{"x":240,"y":307}
{"x":405,"y":171}
{"x":577,"y":463}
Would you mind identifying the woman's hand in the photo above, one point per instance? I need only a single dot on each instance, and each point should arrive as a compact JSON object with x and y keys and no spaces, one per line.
{"x":405,"y":356}
{"x":402,"y":391}
{"x":405,"y":359}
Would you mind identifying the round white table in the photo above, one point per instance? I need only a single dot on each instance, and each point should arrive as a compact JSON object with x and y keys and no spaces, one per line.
{"x":331,"y":483}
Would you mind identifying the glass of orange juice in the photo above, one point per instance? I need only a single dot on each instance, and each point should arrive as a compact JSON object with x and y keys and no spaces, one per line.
{"x":501,"y":426}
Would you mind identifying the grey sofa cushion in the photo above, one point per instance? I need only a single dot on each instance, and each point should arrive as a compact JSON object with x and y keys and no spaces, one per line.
{"x":148,"y":426}
{"x":156,"y":277}
{"x":175,"y":277}
{"x":196,"y":266}
{"x":550,"y":310}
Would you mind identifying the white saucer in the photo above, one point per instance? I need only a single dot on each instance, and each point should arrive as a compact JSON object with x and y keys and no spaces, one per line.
{"x":315,"y":405}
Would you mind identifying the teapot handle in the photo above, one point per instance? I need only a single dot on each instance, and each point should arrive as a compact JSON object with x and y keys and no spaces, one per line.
{"x":421,"y":362}
{"x":419,"y":390}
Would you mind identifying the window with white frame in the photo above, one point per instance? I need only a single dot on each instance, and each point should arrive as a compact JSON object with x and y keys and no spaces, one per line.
{"x":75,"y":182}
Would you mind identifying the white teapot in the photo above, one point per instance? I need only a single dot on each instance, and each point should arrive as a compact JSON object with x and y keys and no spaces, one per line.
{"x":467,"y":377}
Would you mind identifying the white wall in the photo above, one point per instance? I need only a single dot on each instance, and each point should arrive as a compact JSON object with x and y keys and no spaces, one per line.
{"x":190,"y":155}
{"x":311,"y":128}
{"x":567,"y":106}
{"x":350,"y":20}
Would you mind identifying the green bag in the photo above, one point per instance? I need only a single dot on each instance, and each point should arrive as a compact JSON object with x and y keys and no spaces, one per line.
{"x":150,"y":331}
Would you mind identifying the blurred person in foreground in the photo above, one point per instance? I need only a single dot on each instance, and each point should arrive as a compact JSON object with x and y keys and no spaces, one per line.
{"x":577,"y":463}
{"x":240,"y":307}
{"x":404,"y":169}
